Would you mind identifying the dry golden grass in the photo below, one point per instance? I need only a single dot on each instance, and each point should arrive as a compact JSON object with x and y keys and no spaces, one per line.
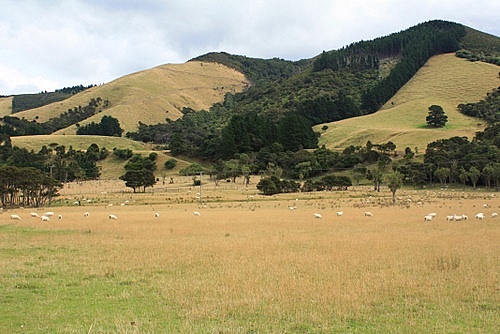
{"x":252,"y":265}
{"x":446,"y":81}
{"x":5,"y":106}
{"x":152,"y":95}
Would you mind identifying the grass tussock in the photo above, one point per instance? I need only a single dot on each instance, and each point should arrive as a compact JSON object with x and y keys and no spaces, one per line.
{"x":238,"y":270}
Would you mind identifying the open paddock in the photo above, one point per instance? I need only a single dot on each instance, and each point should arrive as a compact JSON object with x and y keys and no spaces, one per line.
{"x":250,"y":264}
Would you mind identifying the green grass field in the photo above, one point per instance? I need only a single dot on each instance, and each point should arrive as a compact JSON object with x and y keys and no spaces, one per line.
{"x":446,"y":81}
{"x":251,"y":265}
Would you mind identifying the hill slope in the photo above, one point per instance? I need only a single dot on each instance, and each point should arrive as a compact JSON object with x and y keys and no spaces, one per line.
{"x":445,"y":80}
{"x":152,"y":95}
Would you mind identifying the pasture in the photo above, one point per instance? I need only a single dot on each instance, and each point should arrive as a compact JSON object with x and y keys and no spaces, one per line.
{"x":250,"y":264}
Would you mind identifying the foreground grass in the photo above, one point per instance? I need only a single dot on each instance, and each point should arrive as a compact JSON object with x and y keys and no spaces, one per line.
{"x":252,"y":267}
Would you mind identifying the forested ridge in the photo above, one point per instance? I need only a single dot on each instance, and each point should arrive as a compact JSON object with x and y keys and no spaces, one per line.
{"x":355,"y":80}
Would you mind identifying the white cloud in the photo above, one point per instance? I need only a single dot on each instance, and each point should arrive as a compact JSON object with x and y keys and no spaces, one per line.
{"x":51,"y":44}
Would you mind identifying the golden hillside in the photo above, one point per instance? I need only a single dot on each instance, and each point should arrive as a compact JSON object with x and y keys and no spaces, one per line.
{"x":5,"y":106}
{"x":444,"y":80}
{"x":152,"y":95}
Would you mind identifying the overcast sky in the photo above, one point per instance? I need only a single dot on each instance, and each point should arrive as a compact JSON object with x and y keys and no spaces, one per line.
{"x":50,"y":44}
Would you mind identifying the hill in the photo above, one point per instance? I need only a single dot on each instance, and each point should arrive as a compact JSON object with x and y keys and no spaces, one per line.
{"x":150,"y":96}
{"x":444,"y":80}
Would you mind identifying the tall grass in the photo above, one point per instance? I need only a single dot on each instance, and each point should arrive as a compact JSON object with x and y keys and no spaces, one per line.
{"x":238,"y":270}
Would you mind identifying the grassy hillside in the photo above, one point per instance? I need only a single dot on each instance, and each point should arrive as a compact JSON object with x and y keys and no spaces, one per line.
{"x":152,"y":95}
{"x":445,"y":80}
{"x":5,"y":106}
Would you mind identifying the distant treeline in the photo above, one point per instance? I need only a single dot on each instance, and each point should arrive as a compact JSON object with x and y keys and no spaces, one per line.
{"x":30,"y":101}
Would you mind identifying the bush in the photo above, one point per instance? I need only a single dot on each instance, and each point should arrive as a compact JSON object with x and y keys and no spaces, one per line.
{"x":170,"y":163}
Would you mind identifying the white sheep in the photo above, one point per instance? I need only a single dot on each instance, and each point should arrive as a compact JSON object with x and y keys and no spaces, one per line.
{"x":480,"y":215}
{"x":15,"y":217}
{"x":48,"y":214}
{"x":34,"y":214}
{"x":494,"y":215}
{"x":464,"y":217}
{"x":318,"y":216}
{"x":368,"y":214}
{"x":85,"y":214}
{"x":59,"y":217}
{"x":432,"y":214}
{"x":340,"y":213}
{"x":44,"y":218}
{"x":427,"y":218}
{"x":457,"y":218}
{"x":448,"y":218}
{"x":197,"y":213}
{"x":157,"y":215}
{"x":113,"y":217}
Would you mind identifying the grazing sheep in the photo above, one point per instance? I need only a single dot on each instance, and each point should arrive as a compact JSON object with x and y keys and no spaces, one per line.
{"x":85,"y":214}
{"x":318,"y":216}
{"x":494,"y":215}
{"x":448,"y":218}
{"x":34,"y":214}
{"x":368,"y":214}
{"x":196,"y":213}
{"x":113,"y":217}
{"x":59,"y":217}
{"x":427,"y":218}
{"x":340,"y":213}
{"x":480,"y":215}
{"x":157,"y":215}
{"x":15,"y":217}
{"x":464,"y":217}
{"x":45,"y":218}
{"x":48,"y":214}
{"x":432,"y":214}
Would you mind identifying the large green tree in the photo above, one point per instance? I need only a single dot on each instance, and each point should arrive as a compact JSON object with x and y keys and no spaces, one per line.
{"x":436,"y":117}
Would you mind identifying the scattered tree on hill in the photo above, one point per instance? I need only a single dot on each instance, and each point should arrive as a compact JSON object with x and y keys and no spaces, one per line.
{"x":436,"y":117}
{"x":109,"y":126}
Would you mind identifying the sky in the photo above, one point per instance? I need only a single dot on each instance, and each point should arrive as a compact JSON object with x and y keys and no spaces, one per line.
{"x":51,"y":44}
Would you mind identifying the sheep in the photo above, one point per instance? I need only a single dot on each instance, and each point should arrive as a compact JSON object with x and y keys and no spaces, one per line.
{"x":464,"y":217}
{"x":494,"y":215}
{"x":44,"y":218}
{"x":340,"y":213}
{"x":196,"y":213}
{"x":59,"y":217}
{"x":457,"y":218}
{"x":480,"y":215}
{"x":157,"y":215}
{"x":15,"y":217}
{"x":432,"y":214}
{"x":34,"y":214}
{"x":48,"y":214}
{"x":113,"y":217}
{"x":448,"y":218}
{"x":427,"y":218}
{"x":85,"y":214}
{"x":368,"y":214}
{"x":318,"y":216}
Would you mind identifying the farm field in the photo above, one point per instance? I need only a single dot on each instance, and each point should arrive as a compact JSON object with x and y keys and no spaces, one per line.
{"x":250,"y":264}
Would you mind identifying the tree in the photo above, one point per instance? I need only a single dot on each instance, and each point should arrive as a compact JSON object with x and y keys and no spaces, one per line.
{"x":137,"y":179}
{"x":375,"y":175}
{"x":442,"y":174}
{"x":436,"y":117}
{"x":474,"y":175}
{"x":170,"y":163}
{"x":394,"y":182}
